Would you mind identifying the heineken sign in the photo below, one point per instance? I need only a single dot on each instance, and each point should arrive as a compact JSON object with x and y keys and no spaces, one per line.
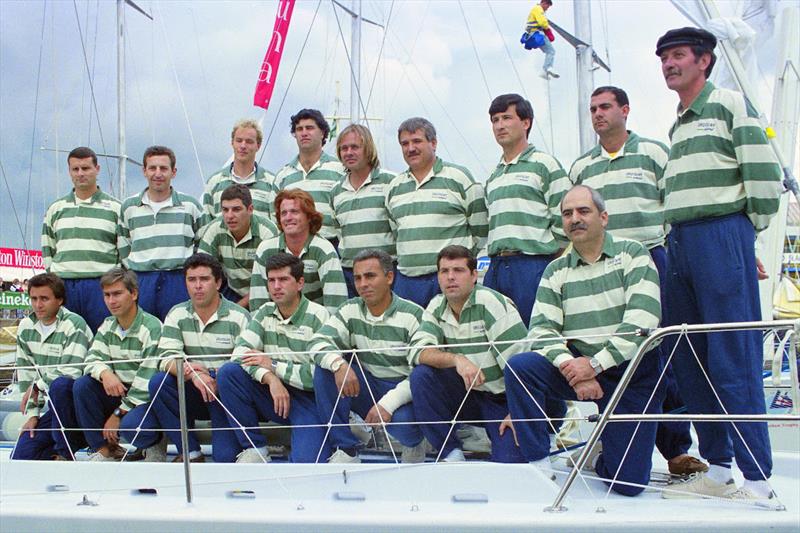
{"x":14,"y":300}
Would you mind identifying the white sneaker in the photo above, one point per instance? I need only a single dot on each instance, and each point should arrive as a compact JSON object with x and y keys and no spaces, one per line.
{"x":415,"y":454}
{"x":743,"y":493}
{"x":588,"y":466}
{"x":474,"y":439}
{"x":157,"y":453}
{"x":254,"y":455}
{"x":552,"y":73}
{"x":698,"y":485}
{"x":455,"y":456}
{"x":341,"y":456}
{"x":544,"y":75}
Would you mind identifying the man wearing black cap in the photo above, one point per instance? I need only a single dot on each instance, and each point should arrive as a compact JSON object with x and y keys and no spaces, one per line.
{"x":723,"y":185}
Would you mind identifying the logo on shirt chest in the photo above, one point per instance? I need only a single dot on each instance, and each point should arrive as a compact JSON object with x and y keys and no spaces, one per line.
{"x":310,"y":266}
{"x":705,"y":126}
{"x":478,"y":328}
{"x":612,"y":263}
{"x":634,"y":174}
{"x":259,"y":195}
{"x":223,"y":340}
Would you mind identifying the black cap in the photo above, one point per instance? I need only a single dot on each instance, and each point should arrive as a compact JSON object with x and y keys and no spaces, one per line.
{"x":686,"y":37}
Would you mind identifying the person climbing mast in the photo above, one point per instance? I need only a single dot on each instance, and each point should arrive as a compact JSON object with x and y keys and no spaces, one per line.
{"x":537,"y":22}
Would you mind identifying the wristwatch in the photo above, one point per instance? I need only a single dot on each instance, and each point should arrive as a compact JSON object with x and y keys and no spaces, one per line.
{"x":337,"y":365}
{"x":118,"y":413}
{"x":596,"y":366}
{"x":274,"y":365}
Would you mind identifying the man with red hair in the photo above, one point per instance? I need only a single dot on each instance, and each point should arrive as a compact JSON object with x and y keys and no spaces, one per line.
{"x":299,"y":223}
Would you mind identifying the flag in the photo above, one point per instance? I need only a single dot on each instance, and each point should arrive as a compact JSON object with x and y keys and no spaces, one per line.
{"x":272,"y":60}
{"x":781,"y":401}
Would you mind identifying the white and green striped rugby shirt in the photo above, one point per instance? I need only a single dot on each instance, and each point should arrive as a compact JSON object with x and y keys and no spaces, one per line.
{"x":184,"y":333}
{"x":140,"y":341}
{"x":447,"y":207}
{"x":362,"y":217}
{"x":608,"y":300}
{"x":387,"y":337}
{"x":632,"y":184}
{"x":487,"y":317}
{"x":79,"y":238}
{"x":318,"y":182}
{"x":720,"y":162}
{"x":65,"y":345}
{"x":281,"y":339}
{"x":261,"y":184}
{"x":523,"y":197}
{"x":151,"y":241}
{"x":322,"y":272}
{"x":237,"y":258}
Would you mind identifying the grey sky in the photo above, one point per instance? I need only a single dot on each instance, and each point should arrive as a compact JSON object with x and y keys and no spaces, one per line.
{"x":215,"y":50}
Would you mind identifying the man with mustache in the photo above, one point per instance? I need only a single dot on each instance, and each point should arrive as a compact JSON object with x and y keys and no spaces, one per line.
{"x":723,"y":185}
{"x":246,"y":139}
{"x":357,"y":200}
{"x":590,"y":303}
{"x":431,"y":205}
{"x":628,"y":171}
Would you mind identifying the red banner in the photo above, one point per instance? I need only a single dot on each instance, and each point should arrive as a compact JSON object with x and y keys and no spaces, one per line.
{"x":19,"y":258}
{"x":272,"y":60}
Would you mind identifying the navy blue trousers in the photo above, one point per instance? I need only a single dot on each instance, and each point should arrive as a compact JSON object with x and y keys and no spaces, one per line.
{"x":672,"y":438}
{"x":250,"y":403}
{"x":341,"y":436}
{"x":418,"y":289}
{"x":712,"y":279}
{"x":160,"y":291}
{"x":438,"y":392}
{"x":534,"y":374}
{"x":518,"y":277}
{"x":93,"y":407}
{"x":50,"y":440}
{"x":225,"y":446}
{"x":85,"y":297}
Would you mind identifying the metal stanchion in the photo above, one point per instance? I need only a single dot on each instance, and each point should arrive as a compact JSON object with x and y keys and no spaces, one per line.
{"x":187,"y":474}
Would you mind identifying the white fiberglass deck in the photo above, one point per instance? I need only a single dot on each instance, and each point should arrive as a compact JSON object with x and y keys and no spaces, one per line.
{"x":474,"y":496}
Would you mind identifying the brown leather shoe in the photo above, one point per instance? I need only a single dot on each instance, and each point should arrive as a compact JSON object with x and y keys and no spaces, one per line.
{"x":685,"y":464}
{"x":57,"y":457}
{"x":199,"y":459}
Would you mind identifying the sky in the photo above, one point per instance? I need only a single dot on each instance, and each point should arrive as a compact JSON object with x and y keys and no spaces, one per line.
{"x":191,"y":74}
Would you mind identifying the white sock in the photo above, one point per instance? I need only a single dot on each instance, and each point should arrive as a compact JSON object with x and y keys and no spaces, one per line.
{"x":759,"y":488}
{"x":195,"y":454}
{"x":720,"y":474}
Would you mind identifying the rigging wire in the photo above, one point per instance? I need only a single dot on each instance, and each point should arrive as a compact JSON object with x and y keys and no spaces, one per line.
{"x":94,"y":100}
{"x":13,"y":207}
{"x":604,"y":20}
{"x":380,"y":54}
{"x":408,"y":56}
{"x":94,"y":59}
{"x":180,"y":93}
{"x":35,"y":117}
{"x":291,"y":78}
{"x":516,"y":74}
{"x":475,"y":50}
{"x":209,"y":107}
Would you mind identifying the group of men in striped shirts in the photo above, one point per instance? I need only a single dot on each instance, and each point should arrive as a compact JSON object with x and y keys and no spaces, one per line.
{"x":423,"y":329}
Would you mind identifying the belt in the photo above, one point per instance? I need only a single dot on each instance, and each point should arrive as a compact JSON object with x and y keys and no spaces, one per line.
{"x":506,"y":253}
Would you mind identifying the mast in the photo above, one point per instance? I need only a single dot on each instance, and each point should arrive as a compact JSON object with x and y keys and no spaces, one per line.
{"x":584,"y":59}
{"x":355,"y":60}
{"x":121,"y":97}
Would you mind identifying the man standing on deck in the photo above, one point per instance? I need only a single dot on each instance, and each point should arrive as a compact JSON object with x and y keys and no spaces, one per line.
{"x":374,"y":383}
{"x":233,"y":238}
{"x":271,"y":376}
{"x":158,"y":232}
{"x":357,"y":200}
{"x":246,"y":139}
{"x":523,"y":196}
{"x":628,"y":172}
{"x":50,"y":336}
{"x":431,"y":205}
{"x":464,"y":381}
{"x":313,"y":170}
{"x":591,"y":302}
{"x":723,"y":185}
{"x":113,"y":394}
{"x":205,"y":329}
{"x":79,"y":238}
